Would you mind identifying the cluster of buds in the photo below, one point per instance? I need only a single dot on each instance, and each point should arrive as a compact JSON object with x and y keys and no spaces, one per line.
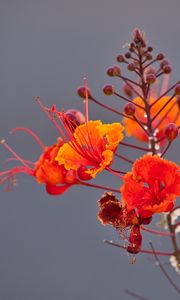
{"x":87,"y":147}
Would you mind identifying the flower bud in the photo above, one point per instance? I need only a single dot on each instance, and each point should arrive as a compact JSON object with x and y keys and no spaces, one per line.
{"x":128,"y":55}
{"x":110,"y":72}
{"x":167,"y":69}
{"x":81,"y":91}
{"x":117,"y":71}
{"x":113,"y":71}
{"x":139,"y":37}
{"x":177,"y":89}
{"x":150,"y":49}
{"x":171,"y":131}
{"x":132,"y":47}
{"x":164,"y":63}
{"x":120,"y":58}
{"x":148,"y":56}
{"x":151,"y":78}
{"x":129,"y":109}
{"x":74,"y":117}
{"x":108,"y":90}
{"x":131,"y":67}
{"x":160,"y":56}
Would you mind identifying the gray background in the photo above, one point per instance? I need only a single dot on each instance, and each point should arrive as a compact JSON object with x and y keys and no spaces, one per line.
{"x":51,"y":248}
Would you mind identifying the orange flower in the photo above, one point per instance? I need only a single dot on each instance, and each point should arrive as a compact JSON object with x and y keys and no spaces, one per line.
{"x":92,"y":145}
{"x":151,"y":186}
{"x":132,"y":127}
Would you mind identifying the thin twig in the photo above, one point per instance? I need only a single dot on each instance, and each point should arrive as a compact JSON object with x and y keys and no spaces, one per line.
{"x":163,"y":269}
{"x":130,"y":293}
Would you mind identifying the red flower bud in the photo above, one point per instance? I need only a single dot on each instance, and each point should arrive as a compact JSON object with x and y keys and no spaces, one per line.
{"x":110,"y":72}
{"x":114,"y":71}
{"x":151,"y":78}
{"x":120,"y":58}
{"x":73,"y":117}
{"x":128,"y":55}
{"x":150,"y":49}
{"x":160,"y":56}
{"x":171,"y":131}
{"x":131,"y":67}
{"x":129,"y":109}
{"x":81,"y":91}
{"x":108,"y":90}
{"x":167,"y":69}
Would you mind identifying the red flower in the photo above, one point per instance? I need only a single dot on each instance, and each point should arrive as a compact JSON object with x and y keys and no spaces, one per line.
{"x":151,"y":186}
{"x":46,"y":170}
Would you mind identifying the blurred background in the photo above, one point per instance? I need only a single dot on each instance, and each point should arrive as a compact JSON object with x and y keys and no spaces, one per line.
{"x":52,"y":247}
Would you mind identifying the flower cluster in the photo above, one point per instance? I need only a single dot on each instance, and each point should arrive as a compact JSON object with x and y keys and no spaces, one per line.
{"x":87,"y":147}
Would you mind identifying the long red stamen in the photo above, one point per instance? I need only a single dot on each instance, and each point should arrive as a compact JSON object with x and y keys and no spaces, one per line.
{"x":14,"y":153}
{"x":37,"y":139}
{"x":25,"y":160}
{"x":87,"y":120}
{"x":51,"y":119}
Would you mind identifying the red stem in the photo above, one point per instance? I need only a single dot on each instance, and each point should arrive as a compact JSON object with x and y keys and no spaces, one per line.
{"x":134,"y":146}
{"x":155,"y":116}
{"x":99,"y":187}
{"x":142,"y":251}
{"x":156,"y":232}
{"x":165,"y":93}
{"x":125,"y":99}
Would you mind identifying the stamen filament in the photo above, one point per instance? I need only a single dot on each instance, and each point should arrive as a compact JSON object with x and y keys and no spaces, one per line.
{"x":14,"y":154}
{"x":37,"y":139}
